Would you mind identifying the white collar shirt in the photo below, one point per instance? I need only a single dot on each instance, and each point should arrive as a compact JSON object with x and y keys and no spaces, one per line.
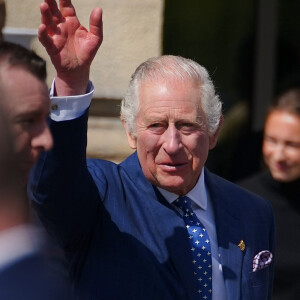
{"x":17,"y":243}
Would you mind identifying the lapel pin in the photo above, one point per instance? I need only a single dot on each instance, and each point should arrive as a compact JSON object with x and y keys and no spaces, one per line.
{"x":242,"y":245}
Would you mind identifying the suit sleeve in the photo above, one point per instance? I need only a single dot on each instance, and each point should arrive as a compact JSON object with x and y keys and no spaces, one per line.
{"x":60,"y":186}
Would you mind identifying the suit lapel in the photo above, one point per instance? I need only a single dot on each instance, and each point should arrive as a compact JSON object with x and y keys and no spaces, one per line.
{"x":229,"y":233}
{"x":178,"y":246}
{"x":169,"y":228}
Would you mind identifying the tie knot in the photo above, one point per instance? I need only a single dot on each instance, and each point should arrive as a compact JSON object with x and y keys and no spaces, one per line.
{"x":184,"y":203}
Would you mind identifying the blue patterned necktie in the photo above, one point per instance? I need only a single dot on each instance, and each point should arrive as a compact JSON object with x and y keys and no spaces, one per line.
{"x":200,"y":248}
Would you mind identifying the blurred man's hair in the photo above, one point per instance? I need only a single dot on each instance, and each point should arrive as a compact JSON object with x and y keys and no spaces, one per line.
{"x":16,"y":55}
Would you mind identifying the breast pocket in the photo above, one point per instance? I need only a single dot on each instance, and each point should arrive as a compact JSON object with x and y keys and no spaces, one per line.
{"x":260,"y":282}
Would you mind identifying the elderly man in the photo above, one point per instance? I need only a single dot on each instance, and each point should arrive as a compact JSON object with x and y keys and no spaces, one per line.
{"x":159,"y":225}
{"x":25,"y":272}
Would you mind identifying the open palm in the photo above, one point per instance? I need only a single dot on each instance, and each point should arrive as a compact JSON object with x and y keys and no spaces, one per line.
{"x":70,"y":46}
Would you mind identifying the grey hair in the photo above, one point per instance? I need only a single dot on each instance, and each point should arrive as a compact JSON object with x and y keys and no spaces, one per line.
{"x":169,"y":67}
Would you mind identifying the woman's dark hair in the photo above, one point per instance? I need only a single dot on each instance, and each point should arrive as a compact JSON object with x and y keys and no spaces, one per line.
{"x":288,"y":101}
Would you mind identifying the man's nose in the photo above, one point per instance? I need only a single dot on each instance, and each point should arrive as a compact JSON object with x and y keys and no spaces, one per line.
{"x":43,"y":139}
{"x":172,"y":140}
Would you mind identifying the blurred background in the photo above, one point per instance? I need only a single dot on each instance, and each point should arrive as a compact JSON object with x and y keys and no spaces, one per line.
{"x":251,"y":49}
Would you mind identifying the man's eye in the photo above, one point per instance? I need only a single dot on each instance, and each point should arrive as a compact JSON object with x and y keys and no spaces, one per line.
{"x":158,"y":128}
{"x":187,"y":127}
{"x":155,"y":125}
{"x":27,"y":121}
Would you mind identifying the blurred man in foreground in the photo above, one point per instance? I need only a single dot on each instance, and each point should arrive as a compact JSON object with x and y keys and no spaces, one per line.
{"x":25,"y":273}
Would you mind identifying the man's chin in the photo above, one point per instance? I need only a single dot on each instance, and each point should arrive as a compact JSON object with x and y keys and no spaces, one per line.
{"x":175,"y":185}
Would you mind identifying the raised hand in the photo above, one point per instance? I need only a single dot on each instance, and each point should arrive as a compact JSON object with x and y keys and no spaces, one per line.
{"x":70,"y":46}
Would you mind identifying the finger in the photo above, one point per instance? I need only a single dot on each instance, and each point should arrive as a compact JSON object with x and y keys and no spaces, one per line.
{"x":96,"y":24}
{"x":53,"y":5}
{"x":66,"y":8}
{"x":43,"y":36}
{"x":47,"y":18}
{"x":54,"y":10}
{"x":45,"y":39}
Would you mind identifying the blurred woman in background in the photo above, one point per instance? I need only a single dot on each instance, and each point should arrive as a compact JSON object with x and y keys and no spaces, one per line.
{"x":280,"y":184}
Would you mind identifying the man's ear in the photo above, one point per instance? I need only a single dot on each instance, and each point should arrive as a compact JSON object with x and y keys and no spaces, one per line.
{"x":214,"y":138}
{"x":130,"y":137}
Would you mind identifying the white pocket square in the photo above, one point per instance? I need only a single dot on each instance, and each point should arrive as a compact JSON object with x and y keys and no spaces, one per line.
{"x":262,"y":260}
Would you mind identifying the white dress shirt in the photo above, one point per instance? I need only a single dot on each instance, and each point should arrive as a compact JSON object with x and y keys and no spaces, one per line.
{"x":71,"y":107}
{"x":68,"y":108}
{"x":17,"y":243}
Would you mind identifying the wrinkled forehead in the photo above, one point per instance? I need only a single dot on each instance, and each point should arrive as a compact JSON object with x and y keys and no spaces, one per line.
{"x":170,"y":97}
{"x":172,"y":84}
{"x":169,"y":82}
{"x":171,"y":78}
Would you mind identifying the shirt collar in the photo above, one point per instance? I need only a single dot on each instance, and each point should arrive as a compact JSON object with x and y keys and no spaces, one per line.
{"x":19,"y":242}
{"x":197,"y":194}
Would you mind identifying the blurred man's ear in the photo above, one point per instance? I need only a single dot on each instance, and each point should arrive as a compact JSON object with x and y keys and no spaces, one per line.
{"x":214,"y":138}
{"x":130,"y":137}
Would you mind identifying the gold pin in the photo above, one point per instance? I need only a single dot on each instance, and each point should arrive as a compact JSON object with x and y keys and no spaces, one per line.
{"x":242,"y":245}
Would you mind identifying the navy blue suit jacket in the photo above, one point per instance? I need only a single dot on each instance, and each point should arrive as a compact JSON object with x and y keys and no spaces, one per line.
{"x":33,"y":278}
{"x":124,"y":241}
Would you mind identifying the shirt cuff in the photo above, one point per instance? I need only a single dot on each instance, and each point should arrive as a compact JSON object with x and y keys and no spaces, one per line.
{"x":70,"y":107}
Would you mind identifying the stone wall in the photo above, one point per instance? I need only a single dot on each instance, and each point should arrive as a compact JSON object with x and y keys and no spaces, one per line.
{"x":132,"y":33}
